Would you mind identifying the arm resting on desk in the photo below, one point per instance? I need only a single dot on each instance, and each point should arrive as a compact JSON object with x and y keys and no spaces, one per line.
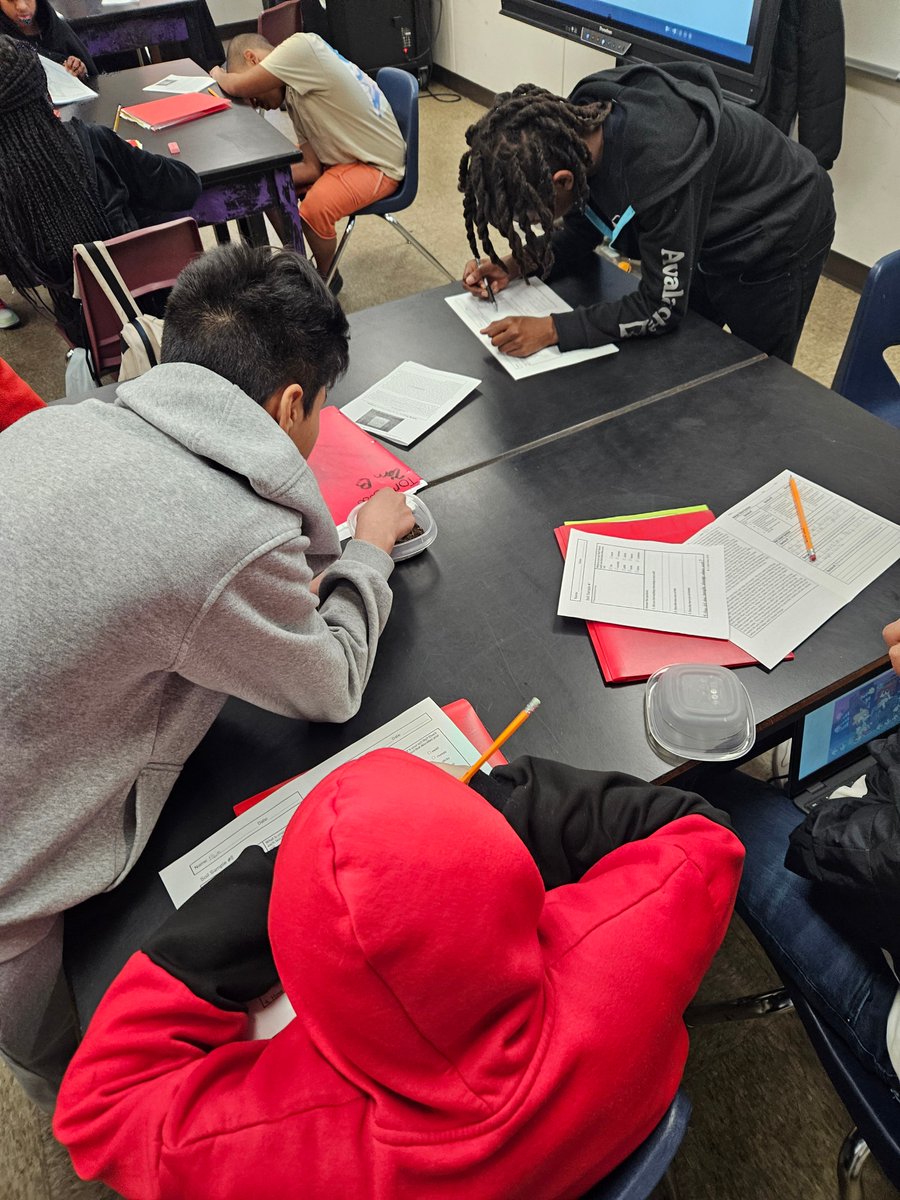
{"x":569,"y":819}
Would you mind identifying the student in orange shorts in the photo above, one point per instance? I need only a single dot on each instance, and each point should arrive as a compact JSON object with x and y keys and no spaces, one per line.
{"x":353,"y":151}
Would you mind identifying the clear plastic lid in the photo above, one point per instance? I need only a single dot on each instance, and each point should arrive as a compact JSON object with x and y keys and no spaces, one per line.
{"x":694,"y":710}
{"x":412,"y":546}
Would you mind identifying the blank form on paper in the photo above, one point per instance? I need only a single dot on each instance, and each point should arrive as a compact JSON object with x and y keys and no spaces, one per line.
{"x":776,"y":596}
{"x":645,"y":585}
{"x":423,"y":730}
{"x":521,"y":299}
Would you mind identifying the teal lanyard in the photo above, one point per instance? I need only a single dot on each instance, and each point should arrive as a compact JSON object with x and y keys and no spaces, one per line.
{"x":599,"y":223}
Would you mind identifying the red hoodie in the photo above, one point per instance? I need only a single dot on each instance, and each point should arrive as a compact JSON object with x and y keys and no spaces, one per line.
{"x":459,"y":1031}
{"x":16,"y":397}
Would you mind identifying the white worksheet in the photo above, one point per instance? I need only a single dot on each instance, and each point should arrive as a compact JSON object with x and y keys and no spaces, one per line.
{"x":406,"y":403}
{"x":776,"y":596}
{"x":181,"y":85}
{"x":645,"y":585}
{"x":521,"y":299}
{"x":424,"y":730}
{"x":63,"y":87}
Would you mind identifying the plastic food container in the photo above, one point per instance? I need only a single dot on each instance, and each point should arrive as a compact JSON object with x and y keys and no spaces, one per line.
{"x":415,"y":545}
{"x":694,"y":710}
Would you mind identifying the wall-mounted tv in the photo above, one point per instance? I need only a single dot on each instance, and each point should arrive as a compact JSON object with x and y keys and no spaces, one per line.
{"x":733,"y":36}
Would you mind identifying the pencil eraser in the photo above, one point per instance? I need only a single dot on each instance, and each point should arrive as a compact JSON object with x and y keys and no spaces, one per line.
{"x":174,"y":148}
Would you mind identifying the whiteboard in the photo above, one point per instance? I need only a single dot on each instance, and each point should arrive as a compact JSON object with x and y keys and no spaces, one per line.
{"x":873,"y":33}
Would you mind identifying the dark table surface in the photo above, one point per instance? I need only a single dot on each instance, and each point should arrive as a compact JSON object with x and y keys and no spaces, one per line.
{"x":504,"y":414}
{"x":218,"y":147}
{"x":475,"y":616}
{"x":76,"y":12}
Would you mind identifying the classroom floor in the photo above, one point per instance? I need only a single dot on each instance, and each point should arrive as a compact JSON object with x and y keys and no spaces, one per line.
{"x":766,"y":1123}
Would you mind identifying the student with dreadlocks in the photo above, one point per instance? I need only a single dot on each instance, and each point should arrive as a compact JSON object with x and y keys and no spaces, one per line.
{"x":67,"y":183}
{"x":726,"y":214}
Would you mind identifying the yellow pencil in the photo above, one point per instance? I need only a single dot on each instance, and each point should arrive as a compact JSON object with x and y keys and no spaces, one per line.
{"x":507,"y":732}
{"x":798,"y":504}
{"x":118,"y":119}
{"x":212,"y":93}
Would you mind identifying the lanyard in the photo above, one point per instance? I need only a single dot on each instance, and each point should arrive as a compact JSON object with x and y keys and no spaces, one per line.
{"x":599,"y":223}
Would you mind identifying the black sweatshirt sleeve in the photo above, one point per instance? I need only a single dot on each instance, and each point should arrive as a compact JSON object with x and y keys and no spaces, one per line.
{"x":569,"y":818}
{"x":154,"y":182}
{"x":217,"y":943}
{"x":668,"y":238}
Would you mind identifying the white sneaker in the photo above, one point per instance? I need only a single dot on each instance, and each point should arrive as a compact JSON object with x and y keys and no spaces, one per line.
{"x":8,"y":319}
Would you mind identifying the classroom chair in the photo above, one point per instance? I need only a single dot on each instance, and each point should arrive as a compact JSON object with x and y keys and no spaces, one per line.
{"x":402,"y":92}
{"x":281,"y":21}
{"x":149,"y":260}
{"x":642,"y":1171}
{"x":869,"y":1102}
{"x":862,"y":375}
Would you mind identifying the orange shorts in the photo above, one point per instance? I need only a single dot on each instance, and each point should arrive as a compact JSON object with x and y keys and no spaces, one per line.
{"x":340,"y":191}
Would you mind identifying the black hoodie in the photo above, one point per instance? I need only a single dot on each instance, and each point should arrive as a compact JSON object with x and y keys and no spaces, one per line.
{"x":55,"y":38}
{"x":714,"y":187}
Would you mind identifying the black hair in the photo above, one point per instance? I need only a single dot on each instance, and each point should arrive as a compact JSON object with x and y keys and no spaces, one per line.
{"x":237,"y":46}
{"x":48,"y":191}
{"x":506,"y":175}
{"x":261,"y":318}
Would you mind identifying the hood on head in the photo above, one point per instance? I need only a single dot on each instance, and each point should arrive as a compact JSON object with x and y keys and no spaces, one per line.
{"x":404,"y":922}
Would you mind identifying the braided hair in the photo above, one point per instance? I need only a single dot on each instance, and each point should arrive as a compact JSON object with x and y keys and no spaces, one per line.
{"x":48,"y":192}
{"x":506,"y":175}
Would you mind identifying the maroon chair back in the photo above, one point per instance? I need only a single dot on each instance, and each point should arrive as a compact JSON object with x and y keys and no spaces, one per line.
{"x":280,"y":22}
{"x":148,"y":260}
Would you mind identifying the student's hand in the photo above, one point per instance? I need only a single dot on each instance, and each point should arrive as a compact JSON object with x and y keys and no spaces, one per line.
{"x":891,"y":635}
{"x":75,"y":67}
{"x":216,"y":73}
{"x":521,"y":336}
{"x":384,"y":519}
{"x":475,"y":273}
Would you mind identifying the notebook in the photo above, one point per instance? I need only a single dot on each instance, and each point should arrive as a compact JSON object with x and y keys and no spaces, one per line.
{"x":460,"y":712}
{"x":626,"y":655}
{"x":350,"y":466}
{"x":830,"y":748}
{"x":174,"y":110}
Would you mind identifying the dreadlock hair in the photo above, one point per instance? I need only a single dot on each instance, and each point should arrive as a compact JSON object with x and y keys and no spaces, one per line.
{"x":506,"y":175}
{"x":48,"y":192}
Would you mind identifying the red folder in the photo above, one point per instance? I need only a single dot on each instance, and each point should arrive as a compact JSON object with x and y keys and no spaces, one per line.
{"x":460,"y":712}
{"x":626,"y":655}
{"x":350,"y":466}
{"x":174,"y":110}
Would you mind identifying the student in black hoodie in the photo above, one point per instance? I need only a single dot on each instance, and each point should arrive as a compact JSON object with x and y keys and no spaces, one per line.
{"x":67,"y":183}
{"x":38,"y":23}
{"x":726,"y":214}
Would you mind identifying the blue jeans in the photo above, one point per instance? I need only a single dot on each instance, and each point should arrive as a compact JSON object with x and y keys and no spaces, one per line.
{"x":847,"y":982}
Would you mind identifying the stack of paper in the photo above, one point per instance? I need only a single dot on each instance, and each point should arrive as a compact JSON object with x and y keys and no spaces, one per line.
{"x":63,"y":87}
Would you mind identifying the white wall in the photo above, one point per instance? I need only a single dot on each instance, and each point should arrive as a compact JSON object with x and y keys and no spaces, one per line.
{"x":474,"y":41}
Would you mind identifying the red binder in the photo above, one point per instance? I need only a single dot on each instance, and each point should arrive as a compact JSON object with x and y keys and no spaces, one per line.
{"x":626,"y":655}
{"x":460,"y":712}
{"x":174,"y":110}
{"x":350,"y":466}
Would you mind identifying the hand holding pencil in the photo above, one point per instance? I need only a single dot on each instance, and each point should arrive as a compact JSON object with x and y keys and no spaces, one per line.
{"x":498,"y":742}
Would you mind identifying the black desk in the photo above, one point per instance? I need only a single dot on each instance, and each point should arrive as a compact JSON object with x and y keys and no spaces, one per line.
{"x":109,"y":29}
{"x":504,"y":414}
{"x":475,"y":616}
{"x":243,"y":161}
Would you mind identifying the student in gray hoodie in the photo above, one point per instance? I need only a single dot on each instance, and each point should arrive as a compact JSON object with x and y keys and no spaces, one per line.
{"x":161,"y":553}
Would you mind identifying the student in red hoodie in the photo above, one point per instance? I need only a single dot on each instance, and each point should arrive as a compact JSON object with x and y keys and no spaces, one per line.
{"x":459,"y":1029}
{"x":16,"y":397}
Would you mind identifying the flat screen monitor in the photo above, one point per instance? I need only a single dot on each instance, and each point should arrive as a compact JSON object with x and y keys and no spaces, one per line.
{"x":733,"y":36}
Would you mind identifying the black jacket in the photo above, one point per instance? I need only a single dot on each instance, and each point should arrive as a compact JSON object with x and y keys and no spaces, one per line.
{"x":807,"y":77}
{"x":851,"y":847}
{"x":714,"y":187}
{"x":55,"y":38}
{"x":137,"y":189}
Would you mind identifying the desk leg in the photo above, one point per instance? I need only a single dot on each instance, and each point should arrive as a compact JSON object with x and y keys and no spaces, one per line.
{"x":287,"y":202}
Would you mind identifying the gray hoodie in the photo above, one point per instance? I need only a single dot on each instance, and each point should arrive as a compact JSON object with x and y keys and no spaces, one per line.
{"x":155,"y":556}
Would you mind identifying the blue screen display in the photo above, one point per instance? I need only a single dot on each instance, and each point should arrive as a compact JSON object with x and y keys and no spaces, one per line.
{"x":853,"y":719}
{"x":723,"y":27}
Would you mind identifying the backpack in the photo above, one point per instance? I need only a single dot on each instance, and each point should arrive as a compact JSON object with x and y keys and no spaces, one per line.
{"x":141,"y":335}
